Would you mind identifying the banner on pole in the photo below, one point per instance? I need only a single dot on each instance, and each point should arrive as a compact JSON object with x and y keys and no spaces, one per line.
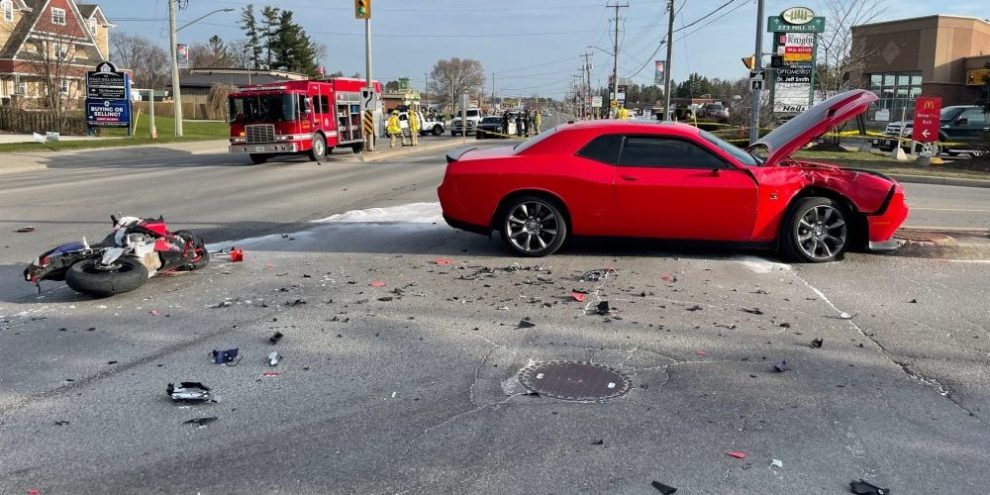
{"x":659,"y":75}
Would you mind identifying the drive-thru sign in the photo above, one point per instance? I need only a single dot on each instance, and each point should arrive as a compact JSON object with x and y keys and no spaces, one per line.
{"x":926,"y":114}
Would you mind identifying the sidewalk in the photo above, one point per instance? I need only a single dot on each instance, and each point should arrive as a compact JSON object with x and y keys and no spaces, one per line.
{"x":25,"y":161}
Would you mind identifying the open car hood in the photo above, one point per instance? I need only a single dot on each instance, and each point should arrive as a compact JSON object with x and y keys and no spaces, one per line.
{"x":813,"y":122}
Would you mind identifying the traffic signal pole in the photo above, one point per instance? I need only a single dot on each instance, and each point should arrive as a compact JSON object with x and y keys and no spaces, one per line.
{"x":370,"y":144}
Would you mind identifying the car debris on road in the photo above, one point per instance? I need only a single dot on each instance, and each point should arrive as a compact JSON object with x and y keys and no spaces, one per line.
{"x":865,"y":488}
{"x":193,"y":392}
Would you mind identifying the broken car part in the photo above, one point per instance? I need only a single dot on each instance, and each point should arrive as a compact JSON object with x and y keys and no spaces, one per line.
{"x":225,"y":357}
{"x":274,"y":358}
{"x":189,"y":392}
{"x":864,"y":488}
{"x":201,"y":422}
{"x":662,"y":488}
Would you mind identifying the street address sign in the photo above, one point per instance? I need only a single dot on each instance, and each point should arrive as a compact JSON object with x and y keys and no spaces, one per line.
{"x":926,"y":118}
{"x":776,"y":24}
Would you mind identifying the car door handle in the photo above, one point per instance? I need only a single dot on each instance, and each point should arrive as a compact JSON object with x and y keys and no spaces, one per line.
{"x":630,"y":178}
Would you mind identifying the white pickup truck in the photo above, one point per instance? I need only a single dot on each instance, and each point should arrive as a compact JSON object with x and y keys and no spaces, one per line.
{"x":473,"y":119}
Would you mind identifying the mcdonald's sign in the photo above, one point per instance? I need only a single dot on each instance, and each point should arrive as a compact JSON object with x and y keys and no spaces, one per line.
{"x":926,"y":118}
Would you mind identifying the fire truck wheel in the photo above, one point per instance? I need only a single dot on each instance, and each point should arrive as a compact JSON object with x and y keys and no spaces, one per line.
{"x":319,"y":149}
{"x":357,"y":147}
{"x":258,"y":159}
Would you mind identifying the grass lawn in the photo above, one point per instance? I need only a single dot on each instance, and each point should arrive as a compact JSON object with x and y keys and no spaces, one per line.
{"x":964,"y":168}
{"x":193,"y":130}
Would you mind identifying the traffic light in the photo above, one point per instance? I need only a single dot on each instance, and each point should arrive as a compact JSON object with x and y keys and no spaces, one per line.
{"x":362,"y":9}
{"x":749,"y":62}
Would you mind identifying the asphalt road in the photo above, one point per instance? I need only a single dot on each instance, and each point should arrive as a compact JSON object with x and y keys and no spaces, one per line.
{"x":409,"y":388}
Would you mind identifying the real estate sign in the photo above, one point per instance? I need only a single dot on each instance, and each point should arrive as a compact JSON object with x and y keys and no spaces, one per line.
{"x":108,"y":97}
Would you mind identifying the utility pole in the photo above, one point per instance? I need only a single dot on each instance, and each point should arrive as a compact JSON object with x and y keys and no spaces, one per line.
{"x":668,"y":115}
{"x":754,"y":117}
{"x":586,"y":83}
{"x":615,"y":54}
{"x":176,"y":94}
{"x":493,"y":93}
{"x":426,"y":89}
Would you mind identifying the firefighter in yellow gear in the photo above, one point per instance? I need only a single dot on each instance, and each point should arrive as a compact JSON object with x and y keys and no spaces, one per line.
{"x":623,"y":113}
{"x":414,"y":126}
{"x":393,"y":128}
{"x":537,"y":122}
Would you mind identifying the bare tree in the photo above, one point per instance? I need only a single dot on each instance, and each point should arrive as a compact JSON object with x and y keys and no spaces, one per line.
{"x":213,"y":54}
{"x":450,"y":79}
{"x":240,"y":54}
{"x":836,"y":44}
{"x":148,"y":61}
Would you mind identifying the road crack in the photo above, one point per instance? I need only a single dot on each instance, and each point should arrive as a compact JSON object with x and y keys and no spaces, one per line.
{"x":942,"y":389}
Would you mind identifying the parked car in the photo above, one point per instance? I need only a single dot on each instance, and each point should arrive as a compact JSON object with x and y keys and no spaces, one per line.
{"x":674,"y":181}
{"x":431,"y":124}
{"x":715,"y":111}
{"x":961,"y":128}
{"x":491,"y":127}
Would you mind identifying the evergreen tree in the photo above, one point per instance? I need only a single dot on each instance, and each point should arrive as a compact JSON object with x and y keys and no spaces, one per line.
{"x":250,"y":27}
{"x":218,"y":48}
{"x":271,"y":24}
{"x":292,"y":48}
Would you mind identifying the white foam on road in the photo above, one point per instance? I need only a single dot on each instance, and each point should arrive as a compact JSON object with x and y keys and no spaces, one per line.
{"x":761,"y":265}
{"x":351,"y":230}
{"x":411,"y":213}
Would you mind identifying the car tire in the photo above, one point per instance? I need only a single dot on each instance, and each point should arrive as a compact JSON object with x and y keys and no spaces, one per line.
{"x":202,"y":255}
{"x":816,"y":230}
{"x":319,"y":149}
{"x":87,"y":277}
{"x":437,"y":130}
{"x":532,"y":226}
{"x":258,"y":159}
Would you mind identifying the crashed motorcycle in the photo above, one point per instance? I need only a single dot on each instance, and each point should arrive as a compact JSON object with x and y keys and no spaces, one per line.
{"x":136,"y":250}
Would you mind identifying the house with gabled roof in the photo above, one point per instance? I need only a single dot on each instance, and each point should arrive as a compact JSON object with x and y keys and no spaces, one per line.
{"x":46,"y":47}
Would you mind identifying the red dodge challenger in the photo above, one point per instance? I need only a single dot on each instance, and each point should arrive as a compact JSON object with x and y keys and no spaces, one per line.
{"x":674,"y":181}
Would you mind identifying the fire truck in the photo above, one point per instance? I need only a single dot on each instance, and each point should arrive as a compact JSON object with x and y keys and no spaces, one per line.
{"x":292,"y":117}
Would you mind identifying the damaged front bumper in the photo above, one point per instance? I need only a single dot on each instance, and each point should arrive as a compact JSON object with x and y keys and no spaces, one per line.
{"x":884,"y":222}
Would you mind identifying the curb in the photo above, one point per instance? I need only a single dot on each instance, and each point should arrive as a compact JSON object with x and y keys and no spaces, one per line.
{"x":942,"y":181}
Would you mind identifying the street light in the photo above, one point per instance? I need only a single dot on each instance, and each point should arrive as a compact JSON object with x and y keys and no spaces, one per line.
{"x":172,"y":32}
{"x":194,"y":21}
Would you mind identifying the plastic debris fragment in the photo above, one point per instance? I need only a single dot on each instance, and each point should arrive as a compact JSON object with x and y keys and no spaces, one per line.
{"x":225,"y":357}
{"x":377,"y":283}
{"x":845,"y":316}
{"x":443,"y":261}
{"x":817,"y":343}
{"x":189,"y":392}
{"x":781,"y":367}
{"x":737,"y":454}
{"x":525,"y":323}
{"x":864,"y":488}
{"x":753,"y":311}
{"x":777,"y":463}
{"x":275,"y":338}
{"x":236,"y":255}
{"x":274,"y":358}
{"x":662,"y":488}
{"x":25,"y":230}
{"x":201,"y":422}
{"x":602,"y":308}
{"x":577,"y":296}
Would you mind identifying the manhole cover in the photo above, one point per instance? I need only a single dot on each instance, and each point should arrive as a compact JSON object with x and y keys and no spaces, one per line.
{"x":571,"y":380}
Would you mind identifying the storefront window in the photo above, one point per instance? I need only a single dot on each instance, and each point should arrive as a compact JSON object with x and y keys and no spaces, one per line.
{"x":897,"y":91}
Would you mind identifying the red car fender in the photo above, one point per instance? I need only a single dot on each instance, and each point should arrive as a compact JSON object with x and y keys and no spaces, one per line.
{"x":780,"y":187}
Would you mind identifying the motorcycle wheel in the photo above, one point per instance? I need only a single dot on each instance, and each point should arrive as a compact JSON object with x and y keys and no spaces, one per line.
{"x":201,"y":256}
{"x":88,"y":277}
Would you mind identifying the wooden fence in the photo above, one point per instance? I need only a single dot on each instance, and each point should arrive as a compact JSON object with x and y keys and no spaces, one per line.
{"x":42,"y":121}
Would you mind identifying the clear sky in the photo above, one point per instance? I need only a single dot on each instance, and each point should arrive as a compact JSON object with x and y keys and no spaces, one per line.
{"x":532,"y":46}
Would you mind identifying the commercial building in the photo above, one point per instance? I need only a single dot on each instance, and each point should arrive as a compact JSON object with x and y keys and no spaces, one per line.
{"x":925,"y":56}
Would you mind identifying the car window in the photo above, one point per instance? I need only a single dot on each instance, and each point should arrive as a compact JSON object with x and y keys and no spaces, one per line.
{"x":735,"y":151}
{"x":603,"y":149}
{"x":529,"y":143}
{"x":662,"y":152}
{"x":974,"y":116}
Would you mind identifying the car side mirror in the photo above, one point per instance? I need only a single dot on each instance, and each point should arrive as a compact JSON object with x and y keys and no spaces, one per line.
{"x":962,"y":121}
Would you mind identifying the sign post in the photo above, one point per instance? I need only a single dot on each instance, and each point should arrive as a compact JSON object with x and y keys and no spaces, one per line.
{"x":108,"y":98}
